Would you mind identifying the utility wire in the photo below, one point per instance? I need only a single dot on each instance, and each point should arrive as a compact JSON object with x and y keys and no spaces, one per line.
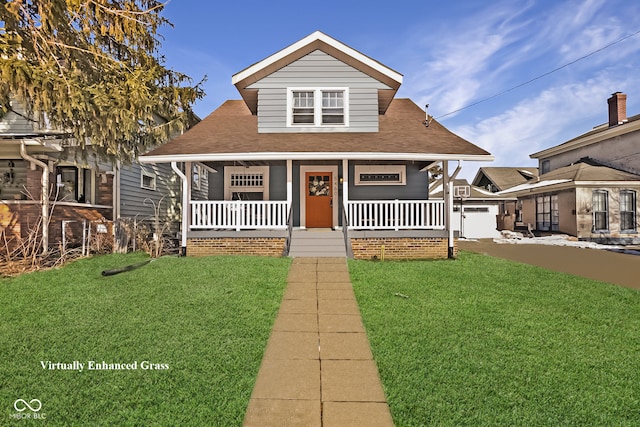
{"x":540,"y":76}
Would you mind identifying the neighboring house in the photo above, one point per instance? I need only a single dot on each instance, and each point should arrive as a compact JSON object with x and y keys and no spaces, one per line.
{"x":475,"y":209}
{"x":318,"y":141}
{"x":80,"y":189}
{"x":614,"y":144}
{"x":496,"y":179}
{"x":590,"y":184}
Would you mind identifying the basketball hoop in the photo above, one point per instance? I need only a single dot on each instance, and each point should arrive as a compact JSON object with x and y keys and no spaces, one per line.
{"x":462,"y":191}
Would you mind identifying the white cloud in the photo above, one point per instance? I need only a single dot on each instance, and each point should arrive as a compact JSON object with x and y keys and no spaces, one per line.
{"x":458,"y":61}
{"x":547,"y":119}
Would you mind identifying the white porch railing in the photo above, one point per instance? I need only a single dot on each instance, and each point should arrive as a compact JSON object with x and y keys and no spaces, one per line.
{"x":396,"y":214}
{"x":239,"y":214}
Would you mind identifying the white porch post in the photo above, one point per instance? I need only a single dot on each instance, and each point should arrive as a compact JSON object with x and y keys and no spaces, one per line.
{"x":186,"y":200}
{"x":447,"y":191}
{"x":289,"y":183}
{"x":345,"y":188}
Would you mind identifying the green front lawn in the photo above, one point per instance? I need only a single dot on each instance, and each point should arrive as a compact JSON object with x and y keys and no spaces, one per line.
{"x":203,"y":322}
{"x":484,"y":341}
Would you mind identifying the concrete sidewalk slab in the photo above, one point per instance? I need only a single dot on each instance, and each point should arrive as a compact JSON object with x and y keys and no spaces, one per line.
{"x":288,"y":379}
{"x":318,"y":369}
{"x":280,"y":412}
{"x":346,"y":346}
{"x":351,"y":381}
{"x":338,"y":306}
{"x":286,"y":322}
{"x":340,"y":323}
{"x":356,"y":414}
{"x":292,"y":346}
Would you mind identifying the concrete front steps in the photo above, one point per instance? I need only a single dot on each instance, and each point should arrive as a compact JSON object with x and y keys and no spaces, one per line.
{"x":317,"y":243}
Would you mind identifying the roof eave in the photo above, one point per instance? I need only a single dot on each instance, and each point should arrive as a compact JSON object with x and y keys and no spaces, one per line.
{"x":317,"y":40}
{"x":318,"y":35}
{"x":267,"y":156}
{"x":587,"y":140}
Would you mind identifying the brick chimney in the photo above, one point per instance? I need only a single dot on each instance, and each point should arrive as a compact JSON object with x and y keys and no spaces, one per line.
{"x":617,"y":108}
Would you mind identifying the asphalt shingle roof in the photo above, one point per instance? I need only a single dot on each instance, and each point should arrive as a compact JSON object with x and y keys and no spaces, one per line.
{"x":233,"y":129}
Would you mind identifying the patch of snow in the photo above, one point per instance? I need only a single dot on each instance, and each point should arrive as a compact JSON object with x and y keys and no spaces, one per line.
{"x":515,"y":238}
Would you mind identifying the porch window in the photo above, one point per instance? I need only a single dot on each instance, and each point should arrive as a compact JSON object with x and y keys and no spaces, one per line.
{"x":246,"y":183}
{"x":74,"y":184}
{"x":628,"y":211}
{"x":600,"y":210}
{"x":317,"y":107}
{"x":380,"y":175}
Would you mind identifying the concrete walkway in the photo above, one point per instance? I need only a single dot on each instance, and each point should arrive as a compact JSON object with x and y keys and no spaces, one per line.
{"x":318,"y":369}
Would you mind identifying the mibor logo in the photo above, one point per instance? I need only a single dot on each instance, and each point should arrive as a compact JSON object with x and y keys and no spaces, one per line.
{"x":22,"y":405}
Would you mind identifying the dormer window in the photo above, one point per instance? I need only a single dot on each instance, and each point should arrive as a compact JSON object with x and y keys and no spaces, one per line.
{"x":333,"y":107}
{"x":329,"y":110}
{"x":303,"y":108}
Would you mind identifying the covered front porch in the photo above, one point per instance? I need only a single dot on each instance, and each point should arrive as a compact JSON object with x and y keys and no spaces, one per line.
{"x":382,"y":207}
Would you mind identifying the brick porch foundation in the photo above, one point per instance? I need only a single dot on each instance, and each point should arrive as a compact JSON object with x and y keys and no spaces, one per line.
{"x":262,"y":246}
{"x":401,"y":248}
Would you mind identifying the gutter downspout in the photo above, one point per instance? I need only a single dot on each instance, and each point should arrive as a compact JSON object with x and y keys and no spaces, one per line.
{"x":185,"y":206}
{"x":44,"y":195}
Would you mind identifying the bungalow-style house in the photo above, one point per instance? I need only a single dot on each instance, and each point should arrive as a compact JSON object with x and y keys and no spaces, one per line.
{"x":475,"y":209}
{"x":588,"y":185}
{"x":319,"y":141}
{"x":44,"y":178}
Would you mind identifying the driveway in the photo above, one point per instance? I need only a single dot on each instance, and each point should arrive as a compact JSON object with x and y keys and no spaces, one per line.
{"x":607,"y":266}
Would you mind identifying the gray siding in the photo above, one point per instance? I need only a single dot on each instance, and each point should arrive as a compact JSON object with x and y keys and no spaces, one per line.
{"x":416,"y":187}
{"x":313,"y":71}
{"x":12,"y":123}
{"x":133,"y":196}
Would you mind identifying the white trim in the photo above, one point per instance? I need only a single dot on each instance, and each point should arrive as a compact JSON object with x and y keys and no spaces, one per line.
{"x":229,"y":170}
{"x":380,"y":169}
{"x":317,"y":35}
{"x":266,"y":156}
{"x":152,"y":175}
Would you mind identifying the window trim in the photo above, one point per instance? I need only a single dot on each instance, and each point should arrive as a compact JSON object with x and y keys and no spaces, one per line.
{"x":380,"y":170}
{"x":317,"y":107}
{"x":230,"y":170}
{"x":632,"y":210}
{"x":594,"y":211}
{"x":153,"y":176}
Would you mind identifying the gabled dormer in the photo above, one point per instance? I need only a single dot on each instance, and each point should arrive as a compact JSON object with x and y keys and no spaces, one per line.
{"x":317,"y":84}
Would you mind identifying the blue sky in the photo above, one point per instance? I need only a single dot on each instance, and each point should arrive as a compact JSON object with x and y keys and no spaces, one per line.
{"x":451,"y":54}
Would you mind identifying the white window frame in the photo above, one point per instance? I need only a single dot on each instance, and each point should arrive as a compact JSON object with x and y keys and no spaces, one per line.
{"x":143,"y":174}
{"x":317,"y":105}
{"x":381,"y":170}
{"x":230,"y":170}
{"x":196,"y":171}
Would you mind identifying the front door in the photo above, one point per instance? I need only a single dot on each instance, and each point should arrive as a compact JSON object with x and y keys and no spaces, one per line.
{"x":319,"y":200}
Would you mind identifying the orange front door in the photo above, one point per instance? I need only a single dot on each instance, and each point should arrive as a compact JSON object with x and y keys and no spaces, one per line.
{"x":319,"y":200}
